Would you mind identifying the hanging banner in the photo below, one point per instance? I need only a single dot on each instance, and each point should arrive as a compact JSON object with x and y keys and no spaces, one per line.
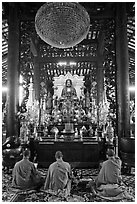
{"x":36,"y":79}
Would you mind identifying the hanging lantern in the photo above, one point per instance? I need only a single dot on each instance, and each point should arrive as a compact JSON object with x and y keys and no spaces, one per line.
{"x":62,"y":24}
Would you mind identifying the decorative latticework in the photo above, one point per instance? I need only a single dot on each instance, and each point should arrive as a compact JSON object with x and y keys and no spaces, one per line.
{"x":80,"y":50}
{"x":4,"y":51}
{"x":26,"y":61}
{"x":96,"y":11}
{"x":83,"y":56}
{"x":131,"y":46}
{"x":110,"y":67}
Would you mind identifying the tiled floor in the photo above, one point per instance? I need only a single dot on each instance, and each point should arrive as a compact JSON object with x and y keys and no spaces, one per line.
{"x":8,"y":193}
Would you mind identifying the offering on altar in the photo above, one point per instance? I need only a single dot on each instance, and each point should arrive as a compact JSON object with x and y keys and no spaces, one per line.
{"x":69,"y":128}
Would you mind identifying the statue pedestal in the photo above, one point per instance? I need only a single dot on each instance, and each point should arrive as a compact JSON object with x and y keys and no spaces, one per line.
{"x":68,"y":136}
{"x":68,"y":132}
{"x":69,"y":128}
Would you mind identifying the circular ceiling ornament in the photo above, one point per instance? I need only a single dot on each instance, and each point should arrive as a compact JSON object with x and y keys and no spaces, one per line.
{"x":62,"y":24}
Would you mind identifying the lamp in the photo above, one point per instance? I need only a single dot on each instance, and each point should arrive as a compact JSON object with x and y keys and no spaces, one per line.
{"x":62,"y":24}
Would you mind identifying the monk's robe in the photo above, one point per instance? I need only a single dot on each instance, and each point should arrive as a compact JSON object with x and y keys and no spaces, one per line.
{"x":110,"y":172}
{"x":58,"y":176}
{"x":25,"y":175}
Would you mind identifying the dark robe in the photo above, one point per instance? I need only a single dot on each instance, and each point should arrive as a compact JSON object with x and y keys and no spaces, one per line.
{"x":58,"y":176}
{"x":110,"y":172}
{"x":25,"y":175}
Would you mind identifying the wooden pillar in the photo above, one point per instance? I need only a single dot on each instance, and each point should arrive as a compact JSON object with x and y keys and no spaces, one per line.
{"x":35,"y":51}
{"x":100,"y":81}
{"x":12,"y":75}
{"x":122,"y":61}
{"x":37,"y":79}
{"x":100,"y":71}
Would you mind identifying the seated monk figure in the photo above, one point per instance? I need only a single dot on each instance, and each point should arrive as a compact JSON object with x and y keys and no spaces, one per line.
{"x":110,"y":173}
{"x":25,"y":175}
{"x":68,"y":91}
{"x":109,"y":177}
{"x":59,"y":175}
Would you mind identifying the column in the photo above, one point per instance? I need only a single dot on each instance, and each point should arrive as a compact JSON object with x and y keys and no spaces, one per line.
{"x":122,"y":62}
{"x":13,"y":66}
{"x":100,"y":71}
{"x":37,"y":78}
{"x":34,"y":47}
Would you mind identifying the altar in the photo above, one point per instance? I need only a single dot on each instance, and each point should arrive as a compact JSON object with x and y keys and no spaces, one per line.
{"x":68,"y":124}
{"x":80,"y":154}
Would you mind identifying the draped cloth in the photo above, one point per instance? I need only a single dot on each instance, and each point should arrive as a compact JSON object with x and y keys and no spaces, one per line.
{"x":58,"y":177}
{"x":25,"y":176}
{"x":110,"y":172}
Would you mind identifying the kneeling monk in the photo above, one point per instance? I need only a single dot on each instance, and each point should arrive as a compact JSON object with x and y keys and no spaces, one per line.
{"x":59,"y":175}
{"x":25,"y":175}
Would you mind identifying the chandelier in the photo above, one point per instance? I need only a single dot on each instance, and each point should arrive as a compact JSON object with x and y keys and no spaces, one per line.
{"x":62,"y":24}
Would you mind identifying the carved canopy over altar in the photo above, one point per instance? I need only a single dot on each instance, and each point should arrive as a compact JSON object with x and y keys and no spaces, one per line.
{"x":77,"y":81}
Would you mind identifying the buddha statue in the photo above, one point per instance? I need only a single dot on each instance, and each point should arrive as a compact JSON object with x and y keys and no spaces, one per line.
{"x":69,"y":92}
